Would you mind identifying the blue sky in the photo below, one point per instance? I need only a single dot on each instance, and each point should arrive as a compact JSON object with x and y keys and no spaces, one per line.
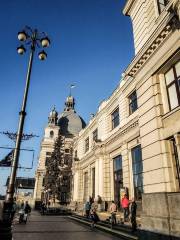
{"x":91,"y":45}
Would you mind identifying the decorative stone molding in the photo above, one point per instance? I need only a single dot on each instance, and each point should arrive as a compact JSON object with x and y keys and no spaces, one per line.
{"x":171,"y":23}
{"x":161,"y":37}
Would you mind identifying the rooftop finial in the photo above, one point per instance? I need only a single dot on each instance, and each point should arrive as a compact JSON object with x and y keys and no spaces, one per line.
{"x":71,"y":86}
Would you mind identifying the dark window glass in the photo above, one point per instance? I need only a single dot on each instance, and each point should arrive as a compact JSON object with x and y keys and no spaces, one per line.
{"x":43,"y":183}
{"x":115,"y":118}
{"x":118,"y":177}
{"x":66,"y":159}
{"x":48,"y":153}
{"x":133,"y":103}
{"x":162,"y":4}
{"x":51,"y":134}
{"x":87,"y":144}
{"x":172,"y":77}
{"x":67,"y":150}
{"x":47,"y":161}
{"x":137,"y":167}
{"x":95,"y":135}
{"x":75,"y":154}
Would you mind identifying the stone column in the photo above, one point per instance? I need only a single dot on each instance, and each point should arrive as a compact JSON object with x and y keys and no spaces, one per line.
{"x":76,"y":187}
{"x":35,"y":187}
{"x":101,"y":185}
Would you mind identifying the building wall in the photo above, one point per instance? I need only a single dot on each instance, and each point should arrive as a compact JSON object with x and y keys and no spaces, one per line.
{"x":157,"y":42}
{"x":47,"y":146}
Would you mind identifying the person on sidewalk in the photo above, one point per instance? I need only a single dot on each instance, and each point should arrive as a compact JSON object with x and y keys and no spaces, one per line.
{"x":43,"y":208}
{"x":94,"y":218}
{"x":113,"y":210}
{"x":87,"y":208}
{"x":27,"y":208}
{"x":133,"y":215}
{"x":125,"y":206}
{"x":14,"y":208}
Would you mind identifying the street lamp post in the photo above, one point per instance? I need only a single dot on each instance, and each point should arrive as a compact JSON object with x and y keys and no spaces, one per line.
{"x":34,"y":38}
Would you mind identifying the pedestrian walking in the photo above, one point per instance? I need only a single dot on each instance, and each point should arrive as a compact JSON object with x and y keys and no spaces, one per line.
{"x":43,"y":208}
{"x":133,"y":215}
{"x":113,"y":210}
{"x":125,"y":206}
{"x":14,"y":208}
{"x":94,"y":218}
{"x":87,"y":208}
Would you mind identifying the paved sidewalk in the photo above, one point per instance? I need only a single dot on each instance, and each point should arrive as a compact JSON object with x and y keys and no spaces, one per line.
{"x":56,"y":228}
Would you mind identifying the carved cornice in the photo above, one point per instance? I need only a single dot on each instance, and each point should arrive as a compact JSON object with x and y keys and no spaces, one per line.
{"x":170,"y":24}
{"x":127,"y":7}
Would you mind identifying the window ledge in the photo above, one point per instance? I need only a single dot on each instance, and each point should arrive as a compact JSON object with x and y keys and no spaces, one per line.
{"x":168,"y":114}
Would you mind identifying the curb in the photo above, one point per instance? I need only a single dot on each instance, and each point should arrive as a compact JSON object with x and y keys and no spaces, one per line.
{"x":108,"y":230}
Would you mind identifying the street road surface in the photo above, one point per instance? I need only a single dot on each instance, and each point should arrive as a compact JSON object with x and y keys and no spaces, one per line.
{"x":56,"y":228}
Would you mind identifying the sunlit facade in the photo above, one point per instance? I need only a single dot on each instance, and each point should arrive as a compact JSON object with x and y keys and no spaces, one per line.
{"x":137,"y":129}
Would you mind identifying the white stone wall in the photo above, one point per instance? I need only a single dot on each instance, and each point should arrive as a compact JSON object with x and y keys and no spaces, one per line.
{"x":47,"y":145}
{"x":151,"y":125}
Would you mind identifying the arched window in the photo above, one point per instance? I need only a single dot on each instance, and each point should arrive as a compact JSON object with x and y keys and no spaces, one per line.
{"x":51,"y":134}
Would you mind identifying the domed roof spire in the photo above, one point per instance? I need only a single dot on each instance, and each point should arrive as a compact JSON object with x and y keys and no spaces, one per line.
{"x":70,"y":101}
{"x":69,"y":121}
{"x":53,"y":117}
{"x":69,"y":104}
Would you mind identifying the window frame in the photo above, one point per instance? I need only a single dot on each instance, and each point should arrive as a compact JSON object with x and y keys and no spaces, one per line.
{"x":159,"y":6}
{"x":114,"y":118}
{"x":174,"y":82}
{"x":87,"y":144}
{"x":137,"y":173}
{"x":95,"y":135}
{"x":132,"y":101}
{"x":117,"y":177}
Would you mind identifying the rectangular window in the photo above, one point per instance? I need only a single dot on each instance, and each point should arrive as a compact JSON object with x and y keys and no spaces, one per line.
{"x":133,"y":103}
{"x":118,"y":177}
{"x":67,"y":150}
{"x":137,"y":167}
{"x":95,"y":135}
{"x":66,"y":159}
{"x":115,"y":118}
{"x":75,"y":154}
{"x":172,"y":77}
{"x":161,"y":5}
{"x":87,"y":144}
{"x":48,"y":153}
{"x":47,"y":161}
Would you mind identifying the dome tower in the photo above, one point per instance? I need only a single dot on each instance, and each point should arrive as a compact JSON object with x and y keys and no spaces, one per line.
{"x":69,"y":121}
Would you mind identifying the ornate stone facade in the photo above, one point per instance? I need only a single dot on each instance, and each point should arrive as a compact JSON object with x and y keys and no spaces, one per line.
{"x":138,"y":126}
{"x":53,"y":175}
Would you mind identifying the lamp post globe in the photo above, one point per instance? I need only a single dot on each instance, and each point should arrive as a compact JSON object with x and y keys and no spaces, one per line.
{"x":22,"y":36}
{"x":42,"y":55}
{"x":21,"y":50}
{"x":45,"y":42}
